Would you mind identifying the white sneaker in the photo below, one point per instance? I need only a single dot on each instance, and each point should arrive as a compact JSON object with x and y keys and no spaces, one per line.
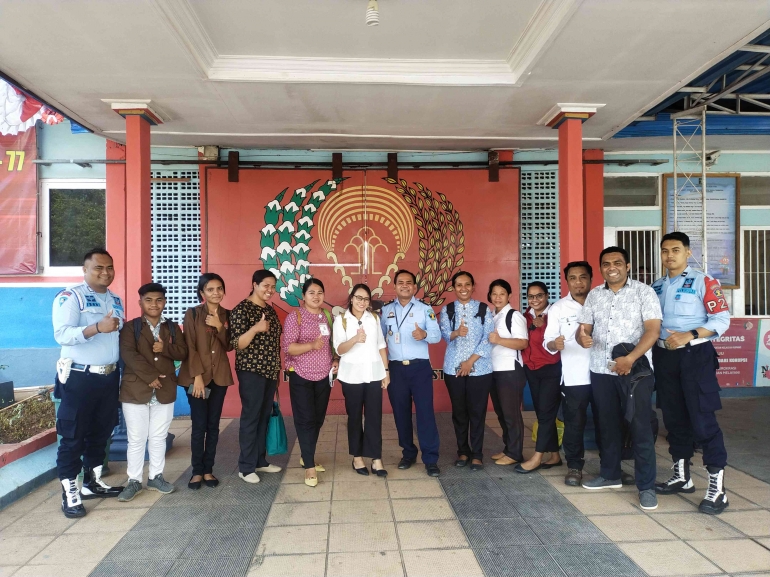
{"x":268,"y":469}
{"x":250,"y":478}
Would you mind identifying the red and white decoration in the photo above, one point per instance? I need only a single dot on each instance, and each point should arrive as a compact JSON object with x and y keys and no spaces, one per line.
{"x":19,"y":112}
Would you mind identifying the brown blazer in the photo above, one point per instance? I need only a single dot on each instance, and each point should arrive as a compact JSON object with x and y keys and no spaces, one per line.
{"x":206,"y":349}
{"x":142,"y":368}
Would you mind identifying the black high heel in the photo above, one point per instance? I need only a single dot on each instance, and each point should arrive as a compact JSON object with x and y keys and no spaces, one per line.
{"x":362,"y":471}
{"x":379,"y":472}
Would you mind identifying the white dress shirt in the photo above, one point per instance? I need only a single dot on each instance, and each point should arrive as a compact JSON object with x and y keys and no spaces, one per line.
{"x":503,"y":358}
{"x":363,"y":362}
{"x":575,"y":360}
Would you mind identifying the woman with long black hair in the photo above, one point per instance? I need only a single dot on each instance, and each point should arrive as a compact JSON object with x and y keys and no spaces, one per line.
{"x":363,"y":352}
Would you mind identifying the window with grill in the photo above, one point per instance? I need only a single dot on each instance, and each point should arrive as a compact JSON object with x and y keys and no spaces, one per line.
{"x":540,"y":231}
{"x":643,"y":251}
{"x":756,"y":271}
{"x":630,"y":191}
{"x":176,"y":238}
{"x":755,"y":190}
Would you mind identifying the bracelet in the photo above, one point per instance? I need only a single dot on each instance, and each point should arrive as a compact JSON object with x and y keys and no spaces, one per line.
{"x":97,"y":327}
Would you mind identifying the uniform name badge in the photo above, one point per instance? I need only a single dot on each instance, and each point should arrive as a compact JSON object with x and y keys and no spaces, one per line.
{"x":324,"y":328}
{"x":397,"y":338}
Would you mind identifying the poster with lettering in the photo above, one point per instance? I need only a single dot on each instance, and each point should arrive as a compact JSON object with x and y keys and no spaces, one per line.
{"x":721,"y":222}
{"x":737,"y":350}
{"x":762,"y":372}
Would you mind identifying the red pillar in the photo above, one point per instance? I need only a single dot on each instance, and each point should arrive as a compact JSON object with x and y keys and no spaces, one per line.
{"x":116,"y":215}
{"x":593,"y":184}
{"x":138,"y":253}
{"x":571,"y":198}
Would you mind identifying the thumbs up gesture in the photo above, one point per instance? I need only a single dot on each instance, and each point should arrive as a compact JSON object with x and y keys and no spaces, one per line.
{"x":263,"y":325}
{"x":418,"y":334}
{"x":495,"y":338}
{"x":360,"y":335}
{"x":317,"y":344}
{"x":583,"y":339}
{"x":108,"y":324}
{"x":463,"y":330}
{"x":559,"y":343}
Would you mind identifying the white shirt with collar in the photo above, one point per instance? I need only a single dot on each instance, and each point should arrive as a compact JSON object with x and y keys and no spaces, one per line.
{"x":503,"y":358}
{"x":363,"y":362}
{"x":575,"y":360}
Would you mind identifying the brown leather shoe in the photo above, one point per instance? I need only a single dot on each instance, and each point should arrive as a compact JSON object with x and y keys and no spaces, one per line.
{"x":497,"y":456}
{"x":505,"y":460}
{"x":573,"y":478}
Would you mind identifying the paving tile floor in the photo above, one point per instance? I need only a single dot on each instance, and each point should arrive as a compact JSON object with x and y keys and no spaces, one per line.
{"x":492,"y":522}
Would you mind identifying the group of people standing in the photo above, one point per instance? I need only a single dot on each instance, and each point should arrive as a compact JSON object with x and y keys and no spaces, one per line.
{"x":590,"y":347}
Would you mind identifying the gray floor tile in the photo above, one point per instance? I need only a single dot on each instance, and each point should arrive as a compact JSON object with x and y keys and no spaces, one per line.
{"x":594,"y":560}
{"x":495,"y":533}
{"x":215,"y":567}
{"x":159,"y":544}
{"x":543,"y":505}
{"x":524,"y":484}
{"x":568,"y":529}
{"x":474,"y":507}
{"x":145,"y":568}
{"x":166,"y":518}
{"x":528,"y":561}
{"x":218,"y":541}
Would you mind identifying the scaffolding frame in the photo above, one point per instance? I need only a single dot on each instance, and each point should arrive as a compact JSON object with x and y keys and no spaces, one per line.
{"x":690,"y":164}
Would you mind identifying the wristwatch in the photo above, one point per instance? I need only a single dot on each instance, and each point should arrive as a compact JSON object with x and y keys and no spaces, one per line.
{"x":694,"y":334}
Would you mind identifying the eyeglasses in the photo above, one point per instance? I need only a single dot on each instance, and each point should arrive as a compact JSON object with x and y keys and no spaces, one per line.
{"x":361,"y":299}
{"x":537,"y":296}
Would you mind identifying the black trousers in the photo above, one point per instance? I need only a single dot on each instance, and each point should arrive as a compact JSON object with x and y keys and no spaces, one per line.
{"x":414,"y":382}
{"x":688,"y":395}
{"x":469,"y":396}
{"x":257,"y":393}
{"x":87,"y":414}
{"x":544,"y":384}
{"x":575,"y":407}
{"x":609,"y":405}
{"x":506,"y":392}
{"x":309,"y":400}
{"x":364,"y":400}
{"x":204,"y":436}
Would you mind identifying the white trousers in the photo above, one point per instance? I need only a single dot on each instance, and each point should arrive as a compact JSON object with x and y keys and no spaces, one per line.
{"x":147,"y":425}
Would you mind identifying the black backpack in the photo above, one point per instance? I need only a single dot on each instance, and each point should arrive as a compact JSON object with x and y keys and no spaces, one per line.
{"x":482,"y":313}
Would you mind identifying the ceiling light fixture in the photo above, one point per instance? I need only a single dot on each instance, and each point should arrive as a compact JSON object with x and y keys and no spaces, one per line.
{"x":372,"y":13}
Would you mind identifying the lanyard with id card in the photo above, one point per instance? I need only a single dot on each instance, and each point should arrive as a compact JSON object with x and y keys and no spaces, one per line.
{"x":397,"y":335}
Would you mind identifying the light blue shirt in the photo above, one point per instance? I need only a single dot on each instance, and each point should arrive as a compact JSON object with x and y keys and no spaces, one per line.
{"x":74,"y":309}
{"x":398,"y":320}
{"x":691,"y":300}
{"x":475,"y":342}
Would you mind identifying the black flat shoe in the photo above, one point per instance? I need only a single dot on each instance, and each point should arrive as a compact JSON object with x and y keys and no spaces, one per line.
{"x":477,"y":466}
{"x":211,"y":482}
{"x":552,"y":465}
{"x":519,"y":469}
{"x":462,"y":462}
{"x":405,"y":463}
{"x":194,"y":485}
{"x":379,"y":472}
{"x":362,"y":471}
{"x":432,"y":470}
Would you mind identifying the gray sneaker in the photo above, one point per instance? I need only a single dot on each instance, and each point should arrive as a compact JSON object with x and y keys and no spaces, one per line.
{"x":160,"y":484}
{"x":648,"y":500}
{"x":132,"y":490}
{"x":602,"y":483}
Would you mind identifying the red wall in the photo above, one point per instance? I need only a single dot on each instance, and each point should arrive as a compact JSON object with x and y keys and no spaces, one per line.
{"x":234,"y":215}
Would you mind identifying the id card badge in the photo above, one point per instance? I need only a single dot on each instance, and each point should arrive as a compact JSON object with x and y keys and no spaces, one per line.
{"x":324,"y":328}
{"x":397,"y":338}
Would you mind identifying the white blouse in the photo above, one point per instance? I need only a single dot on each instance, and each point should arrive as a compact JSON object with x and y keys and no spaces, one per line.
{"x":363,"y":362}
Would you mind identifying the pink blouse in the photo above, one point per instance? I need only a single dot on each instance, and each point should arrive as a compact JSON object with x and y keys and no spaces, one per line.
{"x":312,"y":365}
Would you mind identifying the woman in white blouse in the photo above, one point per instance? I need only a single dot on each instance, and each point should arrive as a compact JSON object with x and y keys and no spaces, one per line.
{"x":363,"y":372}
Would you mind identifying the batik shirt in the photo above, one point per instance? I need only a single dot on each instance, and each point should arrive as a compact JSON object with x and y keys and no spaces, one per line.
{"x":476,"y":342}
{"x":263,"y":355}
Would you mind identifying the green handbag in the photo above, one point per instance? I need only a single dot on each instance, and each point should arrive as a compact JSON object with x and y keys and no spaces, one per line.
{"x":277,"y":444}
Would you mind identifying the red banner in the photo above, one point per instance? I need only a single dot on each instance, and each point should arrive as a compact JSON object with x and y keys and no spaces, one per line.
{"x":18,"y":204}
{"x":737,"y":350}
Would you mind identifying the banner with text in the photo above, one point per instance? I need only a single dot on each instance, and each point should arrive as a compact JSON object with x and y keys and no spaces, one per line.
{"x":18,"y":203}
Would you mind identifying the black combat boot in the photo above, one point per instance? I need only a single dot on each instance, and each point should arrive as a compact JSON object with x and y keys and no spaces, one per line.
{"x":680,"y":481}
{"x":94,"y":487}
{"x":71,"y":504}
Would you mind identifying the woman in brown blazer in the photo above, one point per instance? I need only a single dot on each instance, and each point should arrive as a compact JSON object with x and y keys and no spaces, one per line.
{"x":207,"y":369}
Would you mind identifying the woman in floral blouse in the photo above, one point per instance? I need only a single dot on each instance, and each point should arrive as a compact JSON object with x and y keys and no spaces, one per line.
{"x":306,"y":345}
{"x":255,"y":334}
